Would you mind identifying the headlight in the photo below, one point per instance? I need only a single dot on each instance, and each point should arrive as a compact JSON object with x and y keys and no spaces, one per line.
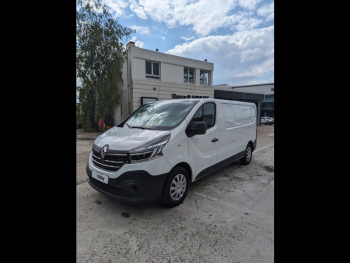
{"x":149,"y":150}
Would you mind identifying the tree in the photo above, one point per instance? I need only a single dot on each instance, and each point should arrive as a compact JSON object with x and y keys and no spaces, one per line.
{"x":99,"y":59}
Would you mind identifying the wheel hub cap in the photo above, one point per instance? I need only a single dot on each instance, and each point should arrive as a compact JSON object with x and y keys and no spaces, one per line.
{"x":178,"y":187}
{"x":249,"y":154}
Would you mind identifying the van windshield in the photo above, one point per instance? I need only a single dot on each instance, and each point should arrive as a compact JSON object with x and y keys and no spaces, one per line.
{"x":163,"y":115}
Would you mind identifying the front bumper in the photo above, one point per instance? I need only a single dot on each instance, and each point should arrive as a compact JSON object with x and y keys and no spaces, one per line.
{"x":133,"y":187}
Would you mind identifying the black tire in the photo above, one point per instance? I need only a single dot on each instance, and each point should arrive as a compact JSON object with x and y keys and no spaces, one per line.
{"x":166,"y":197}
{"x":247,"y":156}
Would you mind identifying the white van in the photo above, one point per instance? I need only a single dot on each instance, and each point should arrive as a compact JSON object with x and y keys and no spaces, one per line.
{"x":164,"y":145}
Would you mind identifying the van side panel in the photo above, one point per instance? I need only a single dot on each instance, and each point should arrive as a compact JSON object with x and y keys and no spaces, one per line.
{"x":230,"y":134}
{"x":235,"y":126}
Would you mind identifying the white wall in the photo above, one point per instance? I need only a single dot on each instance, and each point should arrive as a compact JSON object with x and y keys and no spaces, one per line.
{"x":164,"y":90}
{"x":172,"y":73}
{"x":120,"y":113}
{"x":171,"y":67}
{"x":117,"y":115}
{"x":170,"y":59}
{"x":168,"y":72}
{"x":139,"y":68}
{"x":196,"y":77}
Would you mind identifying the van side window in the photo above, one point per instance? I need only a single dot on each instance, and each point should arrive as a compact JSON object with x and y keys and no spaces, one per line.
{"x":205,"y":113}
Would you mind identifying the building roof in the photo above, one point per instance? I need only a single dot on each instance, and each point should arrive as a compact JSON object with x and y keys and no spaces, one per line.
{"x":243,"y":86}
{"x":168,"y":58}
{"x":263,"y":84}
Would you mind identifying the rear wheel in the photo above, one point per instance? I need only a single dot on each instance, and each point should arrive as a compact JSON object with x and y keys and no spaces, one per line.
{"x":175,"y":187}
{"x":248,"y":155}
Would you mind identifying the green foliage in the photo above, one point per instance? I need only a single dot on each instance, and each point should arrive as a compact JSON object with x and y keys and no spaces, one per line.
{"x":78,"y":115}
{"x":99,"y":60}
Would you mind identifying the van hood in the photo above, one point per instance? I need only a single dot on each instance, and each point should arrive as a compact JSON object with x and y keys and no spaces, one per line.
{"x":125,"y":139}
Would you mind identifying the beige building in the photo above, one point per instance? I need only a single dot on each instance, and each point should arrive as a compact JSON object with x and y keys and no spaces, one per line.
{"x":150,"y":75}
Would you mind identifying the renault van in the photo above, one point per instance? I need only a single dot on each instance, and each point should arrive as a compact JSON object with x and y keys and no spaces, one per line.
{"x":165,"y":145}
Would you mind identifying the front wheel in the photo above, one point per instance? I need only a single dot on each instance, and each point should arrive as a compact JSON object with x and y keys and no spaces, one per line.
{"x":247,"y":156}
{"x":175,"y":187}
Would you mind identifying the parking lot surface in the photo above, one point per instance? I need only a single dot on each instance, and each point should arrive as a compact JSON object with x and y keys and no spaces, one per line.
{"x":227,"y":216}
{"x":83,"y":152}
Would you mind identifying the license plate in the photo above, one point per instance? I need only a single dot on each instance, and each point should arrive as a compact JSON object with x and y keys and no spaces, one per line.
{"x":100,"y":177}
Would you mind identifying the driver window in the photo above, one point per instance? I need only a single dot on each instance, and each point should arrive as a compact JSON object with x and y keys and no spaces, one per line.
{"x":197,"y":116}
{"x":209,"y":114}
{"x":205,"y":113}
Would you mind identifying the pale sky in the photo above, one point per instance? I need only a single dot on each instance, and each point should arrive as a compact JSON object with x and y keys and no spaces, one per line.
{"x":236,"y":35}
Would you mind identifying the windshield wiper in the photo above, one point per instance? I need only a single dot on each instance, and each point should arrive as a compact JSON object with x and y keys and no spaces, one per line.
{"x":140,"y":127}
{"x":147,"y":128}
{"x":137,"y":127}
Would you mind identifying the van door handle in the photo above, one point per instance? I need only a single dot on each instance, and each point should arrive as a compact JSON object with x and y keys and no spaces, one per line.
{"x":214,"y":140}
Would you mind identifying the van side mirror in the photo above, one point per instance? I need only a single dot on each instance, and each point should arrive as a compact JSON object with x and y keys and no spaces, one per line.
{"x":199,"y":127}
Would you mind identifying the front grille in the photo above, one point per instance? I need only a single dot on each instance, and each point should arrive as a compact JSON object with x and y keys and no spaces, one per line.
{"x":110,"y":189}
{"x":111,"y":162}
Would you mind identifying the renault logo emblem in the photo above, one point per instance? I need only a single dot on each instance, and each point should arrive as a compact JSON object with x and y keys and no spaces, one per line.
{"x":103,"y":151}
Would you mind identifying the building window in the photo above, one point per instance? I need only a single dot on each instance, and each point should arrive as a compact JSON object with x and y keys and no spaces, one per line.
{"x":145,"y":100}
{"x":188,"y":75}
{"x":204,"y":77}
{"x":152,"y":70}
{"x":269,"y":98}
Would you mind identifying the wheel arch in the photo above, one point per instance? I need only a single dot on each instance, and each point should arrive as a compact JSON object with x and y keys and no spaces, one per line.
{"x":187,"y":167}
{"x":252,"y":144}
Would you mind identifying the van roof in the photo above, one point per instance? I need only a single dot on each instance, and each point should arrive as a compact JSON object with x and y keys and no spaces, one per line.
{"x":211,"y":99}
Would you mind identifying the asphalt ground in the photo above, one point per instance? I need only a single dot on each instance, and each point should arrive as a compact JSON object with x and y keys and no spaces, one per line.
{"x":227,"y":216}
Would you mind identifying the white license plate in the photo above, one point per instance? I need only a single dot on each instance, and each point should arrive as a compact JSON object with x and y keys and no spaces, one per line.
{"x":100,"y":177}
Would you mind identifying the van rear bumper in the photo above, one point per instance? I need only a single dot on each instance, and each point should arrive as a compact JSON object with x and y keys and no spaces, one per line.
{"x":133,"y":187}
